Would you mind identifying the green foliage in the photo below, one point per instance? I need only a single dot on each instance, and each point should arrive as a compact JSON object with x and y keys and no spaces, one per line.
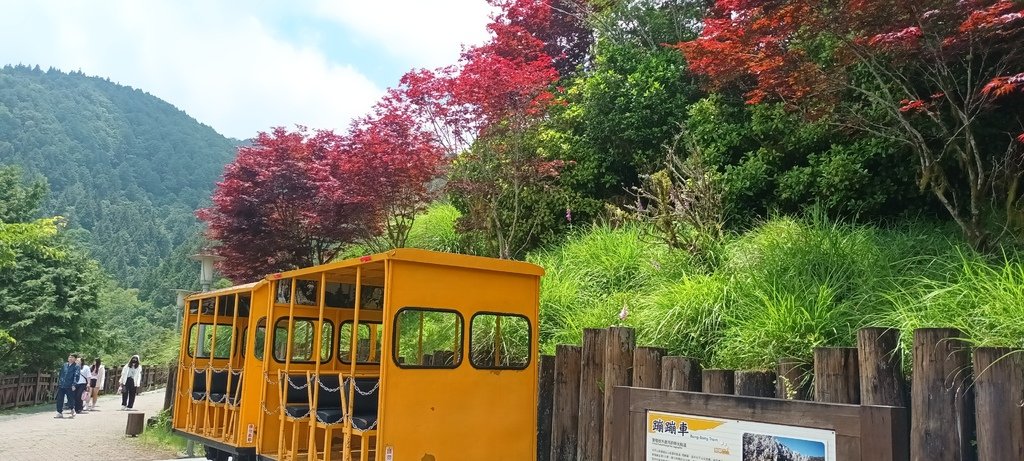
{"x":128,"y":325}
{"x":160,"y":435}
{"x":595,"y":274}
{"x":619,"y":114}
{"x":508,"y":193}
{"x":783,"y":288}
{"x":19,"y":230}
{"x":123,"y":165}
{"x":56,"y":300}
{"x":434,"y":229}
{"x":775,"y":160}
{"x":978,"y":296}
{"x":45,"y":307}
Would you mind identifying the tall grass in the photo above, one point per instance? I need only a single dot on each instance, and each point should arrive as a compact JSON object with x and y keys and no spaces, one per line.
{"x":434,"y":229}
{"x":982,"y":298}
{"x":595,"y":275}
{"x":780,"y":290}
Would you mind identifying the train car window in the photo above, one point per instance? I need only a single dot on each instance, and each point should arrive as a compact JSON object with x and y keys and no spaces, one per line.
{"x":305,"y":292}
{"x":244,"y":304}
{"x":326,"y":340}
{"x":208,"y":305}
{"x":303,"y":335}
{"x":427,"y":338}
{"x":367,"y":332}
{"x":202,"y":336}
{"x":499,"y":341}
{"x":193,"y":306}
{"x":344,"y":295}
{"x":226,"y":306}
{"x":283,"y":291}
{"x":260,"y":339}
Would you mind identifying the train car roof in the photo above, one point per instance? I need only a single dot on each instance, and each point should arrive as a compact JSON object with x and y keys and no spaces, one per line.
{"x":225,"y":291}
{"x":422,"y":256}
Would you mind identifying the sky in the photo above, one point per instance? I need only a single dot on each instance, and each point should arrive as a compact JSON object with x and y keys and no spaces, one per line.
{"x":244,"y":66}
{"x":804,"y":447}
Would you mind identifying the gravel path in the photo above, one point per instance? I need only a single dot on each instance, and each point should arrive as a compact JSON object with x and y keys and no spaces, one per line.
{"x":96,"y":435}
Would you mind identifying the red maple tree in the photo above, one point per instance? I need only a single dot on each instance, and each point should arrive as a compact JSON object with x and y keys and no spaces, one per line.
{"x":282,"y":205}
{"x":504,"y":88}
{"x":561,"y":25}
{"x":927,"y":73}
{"x":427,"y":96}
{"x":391,"y":159}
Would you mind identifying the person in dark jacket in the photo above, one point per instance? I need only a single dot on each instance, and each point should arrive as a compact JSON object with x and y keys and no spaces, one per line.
{"x":66,"y":384}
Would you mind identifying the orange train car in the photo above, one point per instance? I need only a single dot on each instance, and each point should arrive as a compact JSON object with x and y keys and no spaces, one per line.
{"x":403,"y":355}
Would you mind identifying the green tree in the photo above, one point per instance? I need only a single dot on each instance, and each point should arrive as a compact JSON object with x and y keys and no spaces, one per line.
{"x":619,"y":115}
{"x":46,"y":289}
{"x":775,"y":160}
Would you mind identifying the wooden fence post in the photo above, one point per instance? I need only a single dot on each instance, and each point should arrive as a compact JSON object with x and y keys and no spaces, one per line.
{"x":942,"y":418}
{"x":836,"y":376}
{"x":546,"y":384}
{"x":719,"y":381}
{"x":999,"y":389}
{"x":169,"y":389}
{"x":619,"y":348}
{"x":591,"y":422}
{"x":18,"y":379}
{"x":755,"y":383}
{"x":565,"y":415}
{"x":647,"y":367}
{"x":681,"y":374}
{"x":881,"y":367}
{"x":794,"y":380}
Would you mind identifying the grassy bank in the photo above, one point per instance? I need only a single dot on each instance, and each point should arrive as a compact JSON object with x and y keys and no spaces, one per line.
{"x":160,"y":435}
{"x":781,"y":289}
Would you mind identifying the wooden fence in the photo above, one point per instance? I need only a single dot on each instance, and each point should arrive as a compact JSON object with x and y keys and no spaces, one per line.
{"x":33,"y":389}
{"x":962,"y":404}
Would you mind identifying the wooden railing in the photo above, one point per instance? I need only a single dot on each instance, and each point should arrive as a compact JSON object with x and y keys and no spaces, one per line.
{"x":27,"y":389}
{"x":36,"y":388}
{"x":963,"y":403}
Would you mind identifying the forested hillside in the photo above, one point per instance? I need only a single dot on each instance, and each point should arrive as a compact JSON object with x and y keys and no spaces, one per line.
{"x":123,"y":166}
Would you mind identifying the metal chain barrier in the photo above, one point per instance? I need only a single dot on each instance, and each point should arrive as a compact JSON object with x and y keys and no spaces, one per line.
{"x":321,"y":421}
{"x":293,"y":386}
{"x":355,"y":386}
{"x":324,"y":387}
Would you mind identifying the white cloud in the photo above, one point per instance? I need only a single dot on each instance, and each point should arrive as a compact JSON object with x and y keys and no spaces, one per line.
{"x":428,"y":33}
{"x":215,"y":60}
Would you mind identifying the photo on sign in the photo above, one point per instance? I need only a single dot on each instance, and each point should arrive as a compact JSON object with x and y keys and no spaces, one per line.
{"x":761,"y":447}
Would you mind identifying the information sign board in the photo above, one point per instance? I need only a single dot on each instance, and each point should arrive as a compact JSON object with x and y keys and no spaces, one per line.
{"x":676,"y":437}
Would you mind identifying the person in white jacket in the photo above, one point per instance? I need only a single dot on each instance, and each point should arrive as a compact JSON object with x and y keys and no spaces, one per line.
{"x":99,"y":377}
{"x":131,"y":379}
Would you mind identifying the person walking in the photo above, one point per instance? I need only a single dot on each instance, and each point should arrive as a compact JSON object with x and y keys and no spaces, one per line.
{"x":66,"y":384}
{"x":99,"y":378}
{"x":82,"y":386}
{"x":131,"y":379}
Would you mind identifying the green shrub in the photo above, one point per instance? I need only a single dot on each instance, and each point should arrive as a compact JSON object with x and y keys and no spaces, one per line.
{"x":435,"y":229}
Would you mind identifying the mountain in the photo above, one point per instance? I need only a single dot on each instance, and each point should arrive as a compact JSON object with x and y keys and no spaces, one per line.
{"x":757,"y":447}
{"x":125,"y":168}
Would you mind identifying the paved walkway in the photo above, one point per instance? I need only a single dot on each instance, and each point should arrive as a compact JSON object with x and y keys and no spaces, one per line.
{"x":96,"y":435}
